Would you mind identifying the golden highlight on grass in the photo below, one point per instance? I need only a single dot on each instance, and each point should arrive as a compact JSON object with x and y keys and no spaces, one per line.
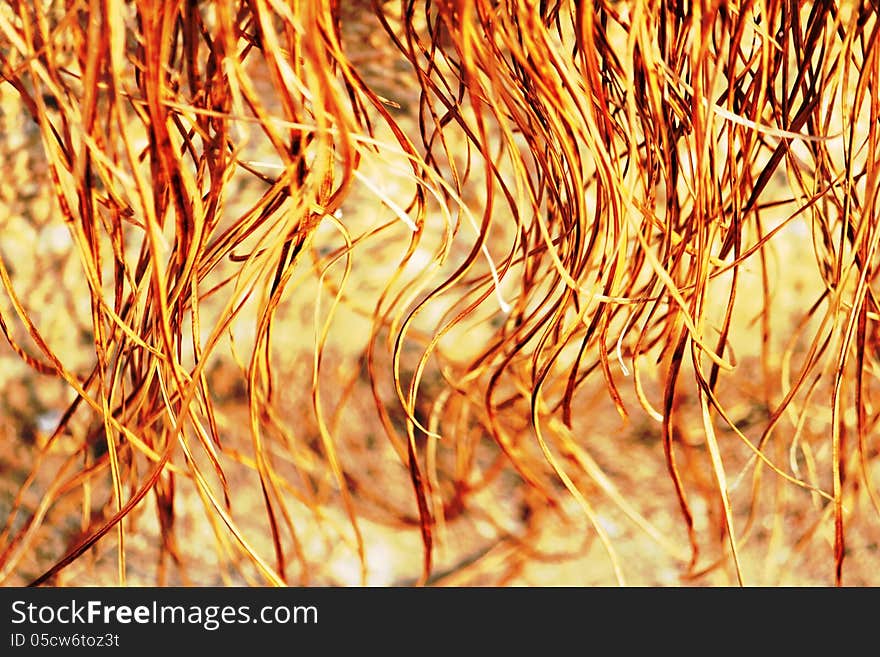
{"x":468,"y":271}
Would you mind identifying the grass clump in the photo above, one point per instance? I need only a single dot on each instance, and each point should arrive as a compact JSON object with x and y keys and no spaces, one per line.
{"x":315,"y":277}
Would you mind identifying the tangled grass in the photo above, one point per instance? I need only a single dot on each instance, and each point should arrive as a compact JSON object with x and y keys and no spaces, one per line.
{"x":414,"y":265}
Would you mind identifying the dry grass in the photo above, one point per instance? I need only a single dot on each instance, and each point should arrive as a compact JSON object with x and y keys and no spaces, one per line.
{"x":541,"y":292}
